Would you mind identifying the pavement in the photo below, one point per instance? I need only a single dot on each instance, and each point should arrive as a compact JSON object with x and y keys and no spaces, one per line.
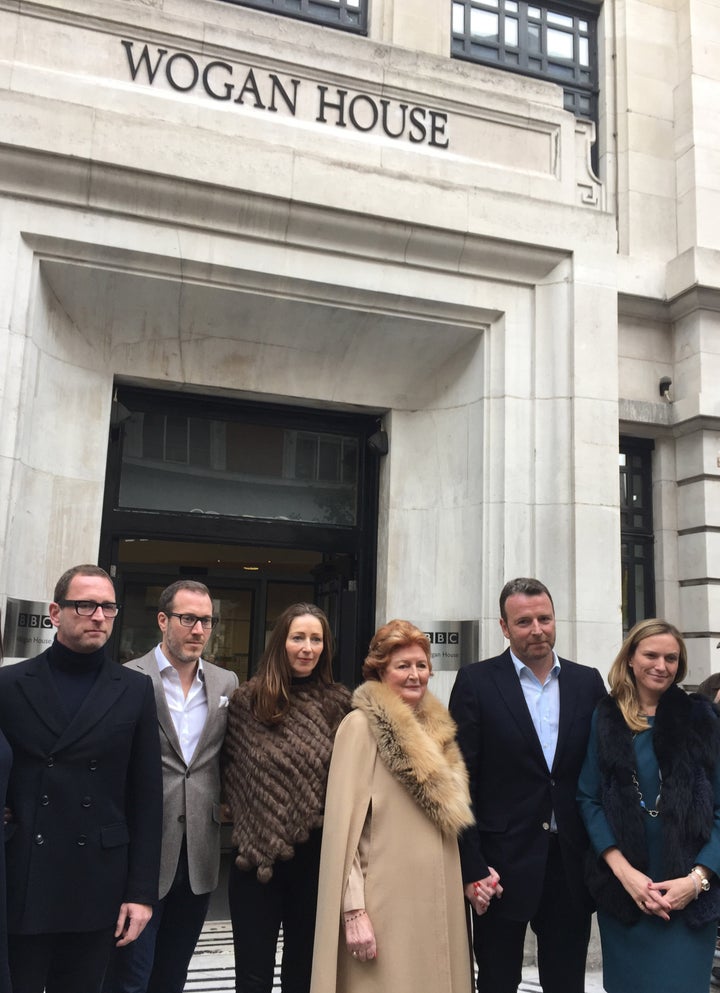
{"x":212,"y":968}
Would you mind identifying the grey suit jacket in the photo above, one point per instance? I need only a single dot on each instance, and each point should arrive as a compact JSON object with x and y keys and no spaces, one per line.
{"x":191,"y":793}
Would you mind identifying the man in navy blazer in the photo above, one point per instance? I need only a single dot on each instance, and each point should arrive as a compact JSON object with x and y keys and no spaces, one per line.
{"x":523,"y":723}
{"x":85,"y":793}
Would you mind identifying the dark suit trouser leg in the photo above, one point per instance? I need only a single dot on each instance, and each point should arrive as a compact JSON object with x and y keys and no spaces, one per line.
{"x":183,"y":916}
{"x":562,"y":929}
{"x":299,"y":905}
{"x":130,"y":966}
{"x":72,"y":962}
{"x":256,"y":915}
{"x":498,"y":945}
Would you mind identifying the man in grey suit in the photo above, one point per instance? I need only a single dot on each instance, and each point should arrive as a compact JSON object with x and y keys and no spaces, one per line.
{"x":192,"y":697}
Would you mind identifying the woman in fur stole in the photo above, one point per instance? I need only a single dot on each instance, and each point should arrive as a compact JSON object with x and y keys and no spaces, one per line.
{"x":391,"y":914}
{"x":280,"y":731}
{"x":649,"y":793}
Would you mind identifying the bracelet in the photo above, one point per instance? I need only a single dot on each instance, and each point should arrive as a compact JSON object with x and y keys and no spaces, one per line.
{"x":692,"y":875}
{"x":361,"y":913}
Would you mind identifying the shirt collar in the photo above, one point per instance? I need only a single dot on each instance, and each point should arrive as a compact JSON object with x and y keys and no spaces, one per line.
{"x":163,"y":663}
{"x":521,"y":668}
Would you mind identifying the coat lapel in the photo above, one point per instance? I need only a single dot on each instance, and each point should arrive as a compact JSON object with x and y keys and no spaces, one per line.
{"x":508,"y":685}
{"x":106,"y":690}
{"x":41,"y":694}
{"x":567,"y":709}
{"x":148,"y":665}
{"x":212,"y":693}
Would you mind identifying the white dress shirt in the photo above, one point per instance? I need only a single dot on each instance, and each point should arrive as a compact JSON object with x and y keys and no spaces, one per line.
{"x":189,"y":713}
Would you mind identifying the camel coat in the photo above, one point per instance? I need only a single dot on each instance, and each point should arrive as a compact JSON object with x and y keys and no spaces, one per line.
{"x":413,"y":886}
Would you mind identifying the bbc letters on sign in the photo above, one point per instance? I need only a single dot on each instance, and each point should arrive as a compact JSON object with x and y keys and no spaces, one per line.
{"x":259,"y":90}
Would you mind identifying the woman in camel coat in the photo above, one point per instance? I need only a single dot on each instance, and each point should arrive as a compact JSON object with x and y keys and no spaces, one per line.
{"x":391,"y":912}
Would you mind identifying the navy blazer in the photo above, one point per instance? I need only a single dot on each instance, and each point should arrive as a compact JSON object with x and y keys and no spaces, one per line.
{"x":86,"y":798}
{"x":513,"y":792}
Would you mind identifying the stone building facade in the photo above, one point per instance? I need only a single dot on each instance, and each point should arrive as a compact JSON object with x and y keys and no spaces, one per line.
{"x":341,"y":217}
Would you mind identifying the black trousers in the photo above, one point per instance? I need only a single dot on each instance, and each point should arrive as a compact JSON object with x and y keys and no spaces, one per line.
{"x":258,"y":909}
{"x":158,"y":961}
{"x":70,"y":962}
{"x":563,"y":933}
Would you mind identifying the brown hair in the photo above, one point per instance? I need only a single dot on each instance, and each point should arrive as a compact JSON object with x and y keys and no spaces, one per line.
{"x":621,"y":678}
{"x":63,"y":584}
{"x":394,"y":634}
{"x":165,"y":603}
{"x":271,"y":699}
{"x":524,"y":586}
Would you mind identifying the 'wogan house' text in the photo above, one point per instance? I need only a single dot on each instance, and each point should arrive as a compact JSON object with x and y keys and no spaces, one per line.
{"x":266,"y":91}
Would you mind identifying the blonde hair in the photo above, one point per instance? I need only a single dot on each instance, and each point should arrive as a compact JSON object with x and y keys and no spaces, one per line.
{"x":622,"y":679}
{"x":394,"y":634}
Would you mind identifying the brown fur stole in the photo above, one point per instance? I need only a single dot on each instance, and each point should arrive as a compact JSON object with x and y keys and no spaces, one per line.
{"x":418,"y":747}
{"x":275,"y":776}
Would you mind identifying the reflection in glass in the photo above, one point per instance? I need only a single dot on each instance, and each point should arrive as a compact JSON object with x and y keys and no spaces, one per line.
{"x":458,"y":18}
{"x":511,"y":31}
{"x":561,"y":19}
{"x":203,"y":466}
{"x":559,"y":43}
{"x":484,"y":25}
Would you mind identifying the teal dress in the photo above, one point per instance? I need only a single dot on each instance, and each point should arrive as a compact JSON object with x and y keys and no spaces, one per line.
{"x":652,"y":956}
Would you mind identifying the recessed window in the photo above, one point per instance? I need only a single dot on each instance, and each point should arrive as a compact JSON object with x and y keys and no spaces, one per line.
{"x":556,"y":43}
{"x":637,"y":539}
{"x":350,"y":15}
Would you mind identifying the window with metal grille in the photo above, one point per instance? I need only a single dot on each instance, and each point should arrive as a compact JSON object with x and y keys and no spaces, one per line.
{"x":557,"y":43}
{"x":349,"y":15}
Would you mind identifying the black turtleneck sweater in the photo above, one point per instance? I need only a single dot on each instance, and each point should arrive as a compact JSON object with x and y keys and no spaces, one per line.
{"x":74,"y":674}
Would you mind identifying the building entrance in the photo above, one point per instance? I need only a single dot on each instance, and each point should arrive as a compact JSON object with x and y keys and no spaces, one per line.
{"x":266,"y":505}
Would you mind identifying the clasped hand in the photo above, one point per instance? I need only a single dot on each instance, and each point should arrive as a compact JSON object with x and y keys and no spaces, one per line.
{"x":658,"y":899}
{"x":481,"y":892}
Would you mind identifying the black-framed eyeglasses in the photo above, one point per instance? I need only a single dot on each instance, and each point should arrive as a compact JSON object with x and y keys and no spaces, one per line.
{"x":86,"y":608}
{"x":190,"y":620}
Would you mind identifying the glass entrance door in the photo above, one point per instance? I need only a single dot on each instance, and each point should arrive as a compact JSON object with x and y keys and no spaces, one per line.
{"x":249,"y":586}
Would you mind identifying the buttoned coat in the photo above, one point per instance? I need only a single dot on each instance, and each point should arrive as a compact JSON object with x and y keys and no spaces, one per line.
{"x":191,"y":791}
{"x":513,"y":792}
{"x":85,"y":798}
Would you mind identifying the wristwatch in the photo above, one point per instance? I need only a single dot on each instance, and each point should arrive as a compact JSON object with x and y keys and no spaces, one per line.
{"x":702,"y":878}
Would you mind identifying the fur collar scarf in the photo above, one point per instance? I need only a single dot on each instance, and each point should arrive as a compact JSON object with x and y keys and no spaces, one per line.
{"x":418,"y":748}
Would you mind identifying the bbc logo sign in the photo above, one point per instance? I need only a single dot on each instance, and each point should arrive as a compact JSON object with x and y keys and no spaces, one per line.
{"x":443,"y":637}
{"x":26,"y":620}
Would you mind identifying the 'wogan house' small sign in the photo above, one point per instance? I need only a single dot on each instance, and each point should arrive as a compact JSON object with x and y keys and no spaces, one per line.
{"x":266,"y":91}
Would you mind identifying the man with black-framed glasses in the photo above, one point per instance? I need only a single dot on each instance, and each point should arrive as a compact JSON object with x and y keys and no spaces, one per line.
{"x":192,"y":696}
{"x":84,"y":839}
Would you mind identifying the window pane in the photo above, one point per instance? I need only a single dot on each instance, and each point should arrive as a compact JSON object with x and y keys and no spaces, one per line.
{"x":582,"y":25}
{"x":562,"y":19}
{"x":511,"y":31}
{"x":534,"y":37}
{"x":511,"y":6}
{"x":583,"y":51}
{"x":534,"y":12}
{"x":559,"y":44}
{"x":458,"y":18}
{"x":484,"y":25}
{"x":176,"y":439}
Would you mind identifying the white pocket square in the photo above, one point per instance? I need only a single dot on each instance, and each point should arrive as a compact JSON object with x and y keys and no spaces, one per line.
{"x":224,"y":702}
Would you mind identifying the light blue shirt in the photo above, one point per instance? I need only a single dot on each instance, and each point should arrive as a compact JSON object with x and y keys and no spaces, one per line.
{"x":543,"y":700}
